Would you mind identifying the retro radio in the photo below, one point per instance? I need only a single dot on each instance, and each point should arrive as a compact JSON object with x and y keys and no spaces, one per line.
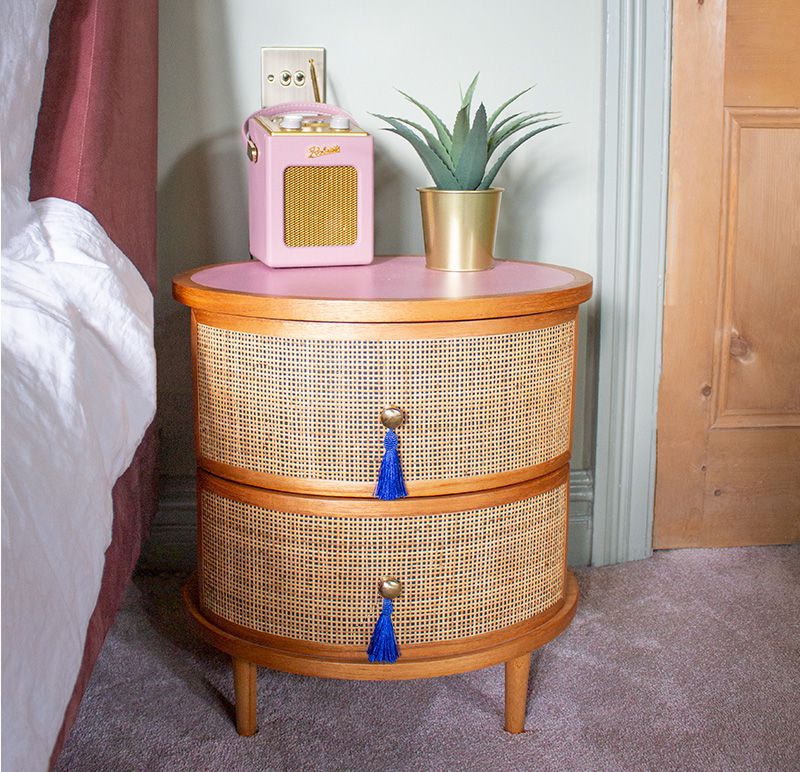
{"x":310,"y":181}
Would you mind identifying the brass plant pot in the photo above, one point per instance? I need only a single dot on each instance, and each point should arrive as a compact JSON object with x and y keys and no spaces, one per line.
{"x":459,"y":227}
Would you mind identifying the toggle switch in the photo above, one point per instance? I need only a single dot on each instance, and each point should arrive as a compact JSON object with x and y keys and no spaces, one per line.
{"x":286,"y":75}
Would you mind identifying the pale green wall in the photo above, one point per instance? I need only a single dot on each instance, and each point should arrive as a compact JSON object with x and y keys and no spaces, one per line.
{"x":209,"y":82}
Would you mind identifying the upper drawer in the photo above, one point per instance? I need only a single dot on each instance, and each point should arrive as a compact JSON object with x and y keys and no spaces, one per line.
{"x":296,"y":406}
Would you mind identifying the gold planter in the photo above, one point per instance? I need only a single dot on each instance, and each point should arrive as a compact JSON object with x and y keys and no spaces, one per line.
{"x":459,"y":227}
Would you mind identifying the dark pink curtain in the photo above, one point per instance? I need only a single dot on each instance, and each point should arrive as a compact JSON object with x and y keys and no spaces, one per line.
{"x":96,"y":139}
{"x":96,"y":145}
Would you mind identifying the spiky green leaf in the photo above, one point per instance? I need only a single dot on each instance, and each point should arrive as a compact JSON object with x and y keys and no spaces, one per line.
{"x":516,"y":126}
{"x":502,"y":123}
{"x":496,"y":137}
{"x":438,"y":124}
{"x":492,"y":173}
{"x":466,"y":98}
{"x":472,"y":162}
{"x":433,"y":143}
{"x":496,"y":114}
{"x":460,"y":132}
{"x":443,"y":178}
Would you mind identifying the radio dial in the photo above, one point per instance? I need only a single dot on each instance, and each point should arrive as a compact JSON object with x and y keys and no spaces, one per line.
{"x":340,"y":123}
{"x":291,"y":121}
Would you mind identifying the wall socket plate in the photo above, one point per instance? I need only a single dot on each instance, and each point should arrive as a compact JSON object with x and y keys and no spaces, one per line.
{"x":286,"y":75}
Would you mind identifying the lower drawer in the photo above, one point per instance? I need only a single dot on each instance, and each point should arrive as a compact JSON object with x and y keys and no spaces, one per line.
{"x":307,"y":569}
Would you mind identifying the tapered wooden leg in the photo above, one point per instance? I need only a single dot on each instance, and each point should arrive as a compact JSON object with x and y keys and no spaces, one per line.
{"x":517,"y":672}
{"x":244,"y":687}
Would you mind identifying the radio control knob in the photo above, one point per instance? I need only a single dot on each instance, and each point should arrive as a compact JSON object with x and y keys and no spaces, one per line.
{"x":292,"y":121}
{"x":340,"y":123}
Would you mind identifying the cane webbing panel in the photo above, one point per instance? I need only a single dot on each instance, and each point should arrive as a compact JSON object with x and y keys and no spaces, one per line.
{"x":320,"y":206}
{"x":309,"y":409}
{"x":314,"y":578}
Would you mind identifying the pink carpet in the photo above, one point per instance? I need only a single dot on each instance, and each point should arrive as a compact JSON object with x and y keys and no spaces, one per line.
{"x":687,"y":661}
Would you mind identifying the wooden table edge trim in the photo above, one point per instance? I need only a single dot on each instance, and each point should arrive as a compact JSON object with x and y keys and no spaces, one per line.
{"x":324,"y":667}
{"x":371,"y":507}
{"x":376,"y":310}
{"x":365,"y":490}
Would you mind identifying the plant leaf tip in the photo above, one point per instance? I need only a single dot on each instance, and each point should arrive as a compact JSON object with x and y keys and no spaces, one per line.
{"x":457,"y":160}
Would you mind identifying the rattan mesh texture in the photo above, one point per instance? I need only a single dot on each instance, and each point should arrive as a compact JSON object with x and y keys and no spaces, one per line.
{"x":320,"y":206}
{"x":309,"y":409}
{"x":314,"y":578}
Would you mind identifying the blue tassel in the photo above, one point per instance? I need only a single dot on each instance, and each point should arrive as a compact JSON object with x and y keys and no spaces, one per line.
{"x":390,"y":478}
{"x":383,"y":645}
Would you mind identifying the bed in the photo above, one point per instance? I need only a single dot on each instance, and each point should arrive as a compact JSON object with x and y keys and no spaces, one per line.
{"x":78,"y":364}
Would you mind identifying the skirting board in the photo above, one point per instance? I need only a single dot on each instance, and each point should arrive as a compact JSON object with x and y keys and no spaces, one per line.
{"x":172,"y":542}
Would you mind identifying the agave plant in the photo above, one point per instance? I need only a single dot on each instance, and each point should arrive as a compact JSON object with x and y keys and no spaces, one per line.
{"x":457,"y":159}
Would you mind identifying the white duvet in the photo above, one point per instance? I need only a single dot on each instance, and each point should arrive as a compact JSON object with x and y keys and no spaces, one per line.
{"x":78,"y":392}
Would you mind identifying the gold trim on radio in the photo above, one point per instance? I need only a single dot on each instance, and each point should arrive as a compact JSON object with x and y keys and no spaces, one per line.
{"x":306,"y":131}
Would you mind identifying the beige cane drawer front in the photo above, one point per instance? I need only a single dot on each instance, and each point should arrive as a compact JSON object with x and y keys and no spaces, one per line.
{"x":296,"y":406}
{"x":308,"y":569}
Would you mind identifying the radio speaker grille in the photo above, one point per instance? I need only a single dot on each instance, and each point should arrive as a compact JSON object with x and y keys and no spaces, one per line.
{"x":320,"y":206}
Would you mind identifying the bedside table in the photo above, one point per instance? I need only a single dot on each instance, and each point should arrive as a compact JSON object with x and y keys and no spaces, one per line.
{"x":292,"y":371}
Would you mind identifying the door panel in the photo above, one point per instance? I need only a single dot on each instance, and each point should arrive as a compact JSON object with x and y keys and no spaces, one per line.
{"x":762,"y":57}
{"x":751,"y":493}
{"x":761,"y":315}
{"x":728,"y":446}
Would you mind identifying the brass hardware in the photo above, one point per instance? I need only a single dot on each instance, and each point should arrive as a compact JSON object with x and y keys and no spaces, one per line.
{"x":285,"y":75}
{"x":271,"y":126}
{"x":314,"y":81}
{"x":252,"y":150}
{"x":390,"y":588}
{"x":392,"y":417}
{"x":459,"y":228}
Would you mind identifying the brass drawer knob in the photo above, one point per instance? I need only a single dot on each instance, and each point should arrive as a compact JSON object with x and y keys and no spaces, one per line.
{"x":392,"y":417}
{"x":390,"y":588}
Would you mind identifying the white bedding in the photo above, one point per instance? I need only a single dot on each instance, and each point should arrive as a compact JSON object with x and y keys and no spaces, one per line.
{"x":78,"y":392}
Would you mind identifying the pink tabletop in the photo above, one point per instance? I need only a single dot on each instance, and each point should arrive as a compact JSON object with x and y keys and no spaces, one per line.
{"x":391,"y":289}
{"x":387,"y":278}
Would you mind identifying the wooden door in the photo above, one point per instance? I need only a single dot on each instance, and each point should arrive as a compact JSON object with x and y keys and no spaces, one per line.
{"x":728,"y":446}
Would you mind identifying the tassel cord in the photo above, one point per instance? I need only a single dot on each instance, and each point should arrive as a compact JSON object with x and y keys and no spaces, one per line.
{"x":391,"y":484}
{"x":383,"y":644}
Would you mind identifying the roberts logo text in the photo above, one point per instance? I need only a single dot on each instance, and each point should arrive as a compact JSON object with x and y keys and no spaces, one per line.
{"x":315,"y":151}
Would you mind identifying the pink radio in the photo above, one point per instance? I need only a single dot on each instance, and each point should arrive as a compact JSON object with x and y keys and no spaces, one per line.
{"x":310,"y":181}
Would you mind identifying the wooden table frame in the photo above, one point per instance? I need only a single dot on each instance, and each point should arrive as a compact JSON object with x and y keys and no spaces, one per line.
{"x":512,"y":646}
{"x":504,"y":308}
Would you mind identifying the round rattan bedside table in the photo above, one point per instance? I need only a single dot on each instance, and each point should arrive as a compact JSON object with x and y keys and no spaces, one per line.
{"x":296,"y":373}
